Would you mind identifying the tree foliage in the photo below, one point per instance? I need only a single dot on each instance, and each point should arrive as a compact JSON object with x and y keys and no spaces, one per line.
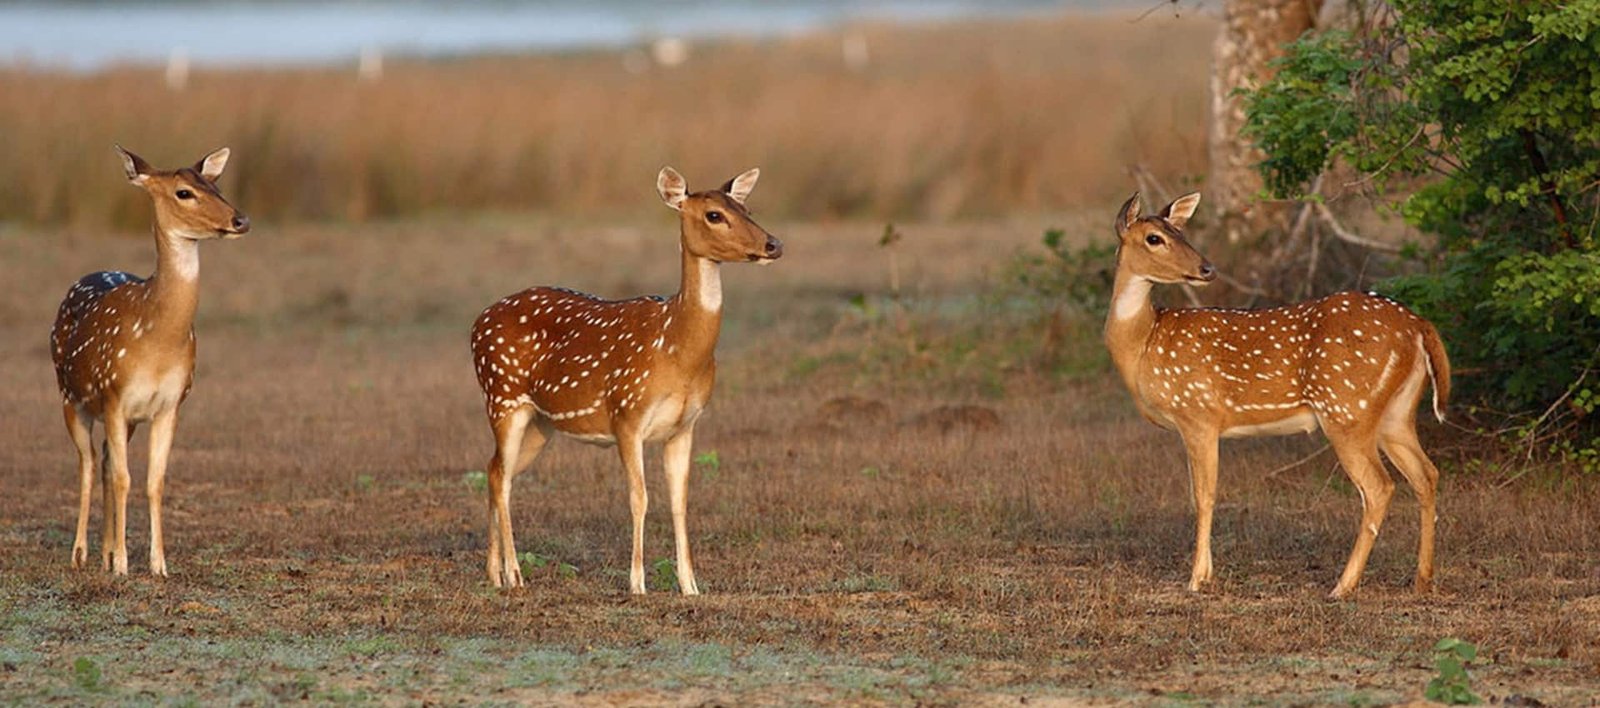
{"x":1480,"y":119}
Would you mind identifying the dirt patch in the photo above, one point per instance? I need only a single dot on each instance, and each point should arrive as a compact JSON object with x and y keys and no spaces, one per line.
{"x":845,"y":414}
{"x":952,"y":418}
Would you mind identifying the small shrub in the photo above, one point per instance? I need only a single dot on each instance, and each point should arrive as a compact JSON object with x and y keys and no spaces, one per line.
{"x":1453,"y":685}
{"x":86,"y":673}
{"x":708,"y":462}
{"x":664,"y":575}
{"x":476,"y":480}
{"x":1075,"y":278}
{"x":530,"y":561}
{"x":1065,"y":293}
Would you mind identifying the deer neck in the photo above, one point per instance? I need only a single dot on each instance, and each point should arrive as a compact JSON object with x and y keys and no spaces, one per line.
{"x":696,"y":312}
{"x":1129,"y":323}
{"x":174,"y":288}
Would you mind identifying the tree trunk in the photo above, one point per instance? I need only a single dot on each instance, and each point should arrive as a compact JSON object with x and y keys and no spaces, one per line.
{"x":1253,"y":34}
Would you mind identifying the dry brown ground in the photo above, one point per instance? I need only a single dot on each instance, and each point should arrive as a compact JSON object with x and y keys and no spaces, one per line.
{"x":326,"y":543}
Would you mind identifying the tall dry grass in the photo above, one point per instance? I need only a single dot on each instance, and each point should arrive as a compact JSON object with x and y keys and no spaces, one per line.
{"x":947,"y":120}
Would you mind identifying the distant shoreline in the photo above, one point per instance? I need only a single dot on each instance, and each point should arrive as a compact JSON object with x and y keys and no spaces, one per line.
{"x":90,"y":37}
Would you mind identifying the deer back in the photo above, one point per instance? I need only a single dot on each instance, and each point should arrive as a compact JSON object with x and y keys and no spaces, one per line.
{"x":1340,"y":359}
{"x":582,"y":362}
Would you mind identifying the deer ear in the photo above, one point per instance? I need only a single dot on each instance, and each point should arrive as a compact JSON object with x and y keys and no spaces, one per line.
{"x":1179,"y":211}
{"x":1128,"y":213}
{"x":739,"y":187}
{"x":210,"y":166}
{"x":138,"y":170}
{"x":672,"y":187}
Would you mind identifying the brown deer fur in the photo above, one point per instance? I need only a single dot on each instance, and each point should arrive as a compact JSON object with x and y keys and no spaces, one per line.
{"x":123,"y":349}
{"x":1353,"y":364}
{"x":622,"y":372}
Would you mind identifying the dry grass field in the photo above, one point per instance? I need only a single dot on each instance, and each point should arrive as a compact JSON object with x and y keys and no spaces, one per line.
{"x":961,"y":119}
{"x":860,"y":535}
{"x":935,"y":496}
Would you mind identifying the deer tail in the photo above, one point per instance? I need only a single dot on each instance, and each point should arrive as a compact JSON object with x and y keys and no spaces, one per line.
{"x":1438,"y":368}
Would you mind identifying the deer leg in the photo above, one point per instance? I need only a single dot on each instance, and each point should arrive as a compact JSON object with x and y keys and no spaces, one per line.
{"x":1202,"y":449}
{"x":80,"y":428}
{"x":533,"y":442}
{"x":1358,"y":454}
{"x":114,"y":538}
{"x":631,"y":447}
{"x":676,"y":457}
{"x":502,"y":562}
{"x":108,"y":502}
{"x":161,"y":431}
{"x":1401,"y":445}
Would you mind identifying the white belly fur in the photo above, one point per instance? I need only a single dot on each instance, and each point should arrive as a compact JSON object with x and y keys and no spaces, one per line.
{"x":603,"y":439}
{"x":1303,"y":421}
{"x":663,"y":420}
{"x":150,"y":393}
{"x":667,"y":417}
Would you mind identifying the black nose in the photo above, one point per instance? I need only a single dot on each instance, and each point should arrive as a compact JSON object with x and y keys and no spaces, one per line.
{"x":241,"y":223}
{"x":774,"y":248}
{"x":1208,"y":271}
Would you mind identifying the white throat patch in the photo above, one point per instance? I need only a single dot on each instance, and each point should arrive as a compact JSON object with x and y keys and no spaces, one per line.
{"x":1132,"y":299}
{"x":185,"y":258}
{"x":710,"y":285}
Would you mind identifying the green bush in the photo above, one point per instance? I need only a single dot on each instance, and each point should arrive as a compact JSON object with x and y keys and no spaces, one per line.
{"x":1452,"y":685}
{"x":1063,"y":294}
{"x":1481,"y":119}
{"x":1077,"y":279}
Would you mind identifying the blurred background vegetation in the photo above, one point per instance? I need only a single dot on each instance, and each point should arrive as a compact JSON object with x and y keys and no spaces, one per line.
{"x":934,"y":121}
{"x":1478,"y":123}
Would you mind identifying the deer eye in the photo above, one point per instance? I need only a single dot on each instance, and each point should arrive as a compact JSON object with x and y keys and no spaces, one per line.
{"x":185,"y":194}
{"x":714,"y":217}
{"x":1153,"y":240}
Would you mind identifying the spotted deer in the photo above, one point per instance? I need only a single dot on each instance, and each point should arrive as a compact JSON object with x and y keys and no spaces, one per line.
{"x":123,"y":349}
{"x":1353,"y":364}
{"x":614,"y":372}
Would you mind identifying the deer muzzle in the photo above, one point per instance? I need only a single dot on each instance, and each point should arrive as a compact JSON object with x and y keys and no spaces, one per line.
{"x":238,"y":226}
{"x":1205,"y":274}
{"x":772,"y":252}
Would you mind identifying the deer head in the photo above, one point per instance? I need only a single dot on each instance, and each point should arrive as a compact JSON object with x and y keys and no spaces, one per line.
{"x":187,"y":202}
{"x":1154,"y":247}
{"x":715,"y":223}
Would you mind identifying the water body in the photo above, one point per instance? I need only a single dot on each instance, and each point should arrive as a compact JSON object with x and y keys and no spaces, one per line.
{"x":87,"y":36}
